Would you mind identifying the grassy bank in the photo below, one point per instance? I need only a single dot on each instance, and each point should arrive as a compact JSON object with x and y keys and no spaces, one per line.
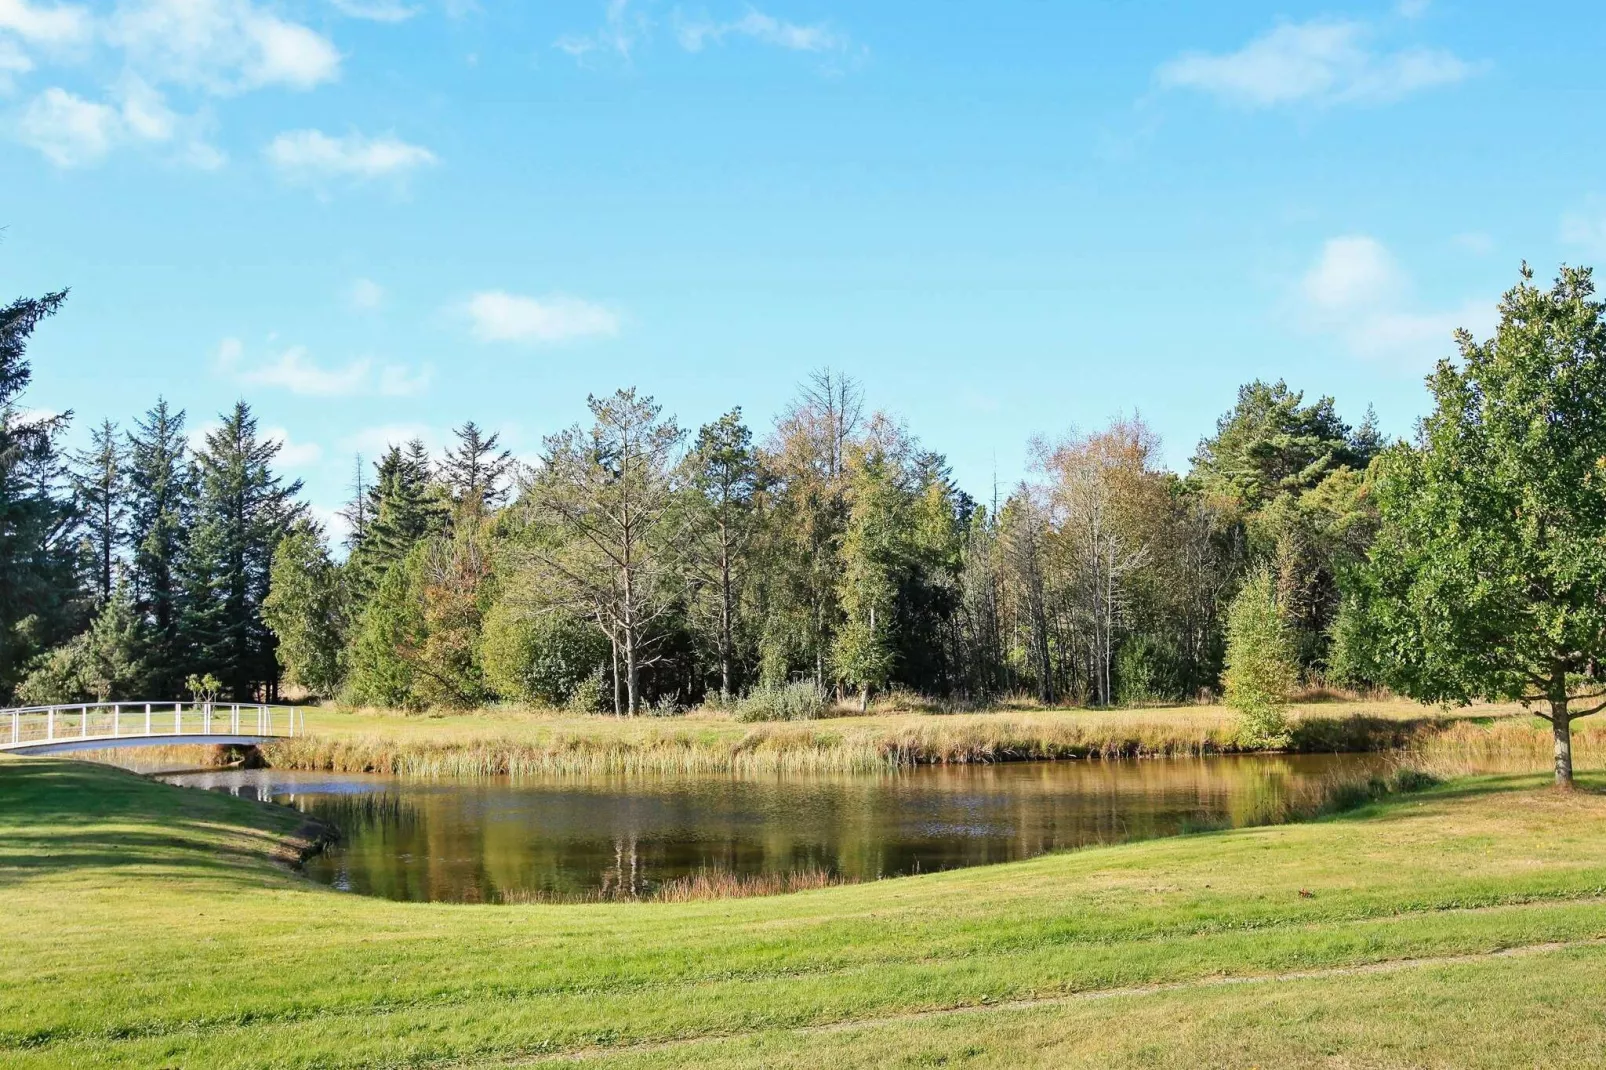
{"x":147,"y":925}
{"x":518,"y":743}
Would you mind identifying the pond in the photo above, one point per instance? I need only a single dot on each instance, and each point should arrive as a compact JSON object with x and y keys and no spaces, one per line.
{"x":602,"y":837}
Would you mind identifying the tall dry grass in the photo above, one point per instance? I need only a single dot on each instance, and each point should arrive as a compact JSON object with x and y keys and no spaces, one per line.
{"x":836,"y":747}
{"x":1508,"y":745}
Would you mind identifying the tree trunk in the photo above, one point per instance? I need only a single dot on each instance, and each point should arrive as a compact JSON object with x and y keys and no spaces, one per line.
{"x":632,"y":673}
{"x":864,"y":699}
{"x":1562,"y":728}
{"x":724,"y":617}
{"x":613,"y":640}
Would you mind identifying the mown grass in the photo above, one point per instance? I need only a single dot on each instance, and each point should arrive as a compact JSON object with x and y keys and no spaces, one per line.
{"x":146,"y":925}
{"x":510,"y":742}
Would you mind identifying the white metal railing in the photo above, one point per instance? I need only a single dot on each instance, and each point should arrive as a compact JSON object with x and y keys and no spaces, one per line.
{"x":80,"y":721}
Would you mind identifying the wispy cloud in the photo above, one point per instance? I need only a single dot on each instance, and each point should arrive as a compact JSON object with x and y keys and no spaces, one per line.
{"x":313,"y":157}
{"x":622,"y":28}
{"x":293,"y":454}
{"x":499,"y":316}
{"x":696,"y":33}
{"x":294,"y":369}
{"x":1324,"y":62}
{"x":1357,"y":291}
{"x":73,"y":131}
{"x":365,"y":294}
{"x":1585,"y":228}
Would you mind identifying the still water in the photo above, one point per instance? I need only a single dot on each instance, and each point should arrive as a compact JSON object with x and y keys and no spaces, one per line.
{"x":588,"y":837}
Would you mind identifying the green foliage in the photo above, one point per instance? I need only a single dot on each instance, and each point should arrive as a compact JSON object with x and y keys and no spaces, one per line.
{"x":306,"y":609}
{"x":243,"y":510}
{"x":40,"y":589}
{"x":203,"y":687}
{"x":403,"y":507}
{"x":161,"y":487}
{"x":797,"y":701}
{"x":389,"y":632}
{"x":104,"y":663}
{"x":543,"y":659}
{"x":1146,"y":671}
{"x":1485,"y":580}
{"x":1261,"y":670}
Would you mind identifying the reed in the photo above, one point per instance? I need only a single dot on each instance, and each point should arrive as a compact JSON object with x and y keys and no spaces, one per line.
{"x":696,"y":887}
{"x":843,"y":746}
{"x":1508,"y":745}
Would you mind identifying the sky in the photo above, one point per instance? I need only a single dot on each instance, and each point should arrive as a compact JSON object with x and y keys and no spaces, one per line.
{"x":376,"y":219}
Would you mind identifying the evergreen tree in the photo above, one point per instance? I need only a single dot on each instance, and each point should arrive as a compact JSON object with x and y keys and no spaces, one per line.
{"x":100,"y":483}
{"x":405,"y":507}
{"x":40,"y":594}
{"x":357,"y":513}
{"x":162,"y":488}
{"x":305,"y":608}
{"x":875,"y":554}
{"x":476,"y":471}
{"x":243,"y":511}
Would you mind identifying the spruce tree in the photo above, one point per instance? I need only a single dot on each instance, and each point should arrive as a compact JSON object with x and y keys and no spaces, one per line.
{"x":40,"y":593}
{"x":162,"y":489}
{"x":243,"y":511}
{"x":476,"y":471}
{"x":404,"y":508}
{"x":100,"y":483}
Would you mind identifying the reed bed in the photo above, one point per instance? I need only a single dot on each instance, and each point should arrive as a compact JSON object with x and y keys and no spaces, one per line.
{"x":842,"y":747}
{"x":1508,"y":745}
{"x":696,"y":887}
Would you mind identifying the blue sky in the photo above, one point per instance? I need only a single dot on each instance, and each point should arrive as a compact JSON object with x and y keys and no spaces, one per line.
{"x":379,"y":218}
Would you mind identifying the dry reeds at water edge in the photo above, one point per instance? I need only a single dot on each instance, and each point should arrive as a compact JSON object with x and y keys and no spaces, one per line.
{"x":809,"y":748}
{"x":1509,"y":745}
{"x":705,"y":884}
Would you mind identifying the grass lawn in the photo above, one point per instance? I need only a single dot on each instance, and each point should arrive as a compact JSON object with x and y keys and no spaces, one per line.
{"x":145,"y":925}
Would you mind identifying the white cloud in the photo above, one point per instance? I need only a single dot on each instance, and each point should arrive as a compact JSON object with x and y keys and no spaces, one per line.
{"x":293,"y":369}
{"x":1352,"y":271}
{"x":366,"y":294}
{"x":1318,"y":62}
{"x":1357,"y":292}
{"x":221,"y":46}
{"x":69,"y":130}
{"x":312,"y":156}
{"x":375,"y":10}
{"x":498,"y":316}
{"x":766,"y":29}
{"x":41,"y":24}
{"x":1412,"y":9}
{"x":293,"y":454}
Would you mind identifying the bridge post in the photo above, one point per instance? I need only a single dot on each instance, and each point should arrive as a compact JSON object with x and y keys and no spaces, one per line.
{"x":16,"y":726}
{"x":117,"y":720}
{"x":50,"y":723}
{"x":147,"y":718}
{"x":83,"y":721}
{"x":178,"y":718}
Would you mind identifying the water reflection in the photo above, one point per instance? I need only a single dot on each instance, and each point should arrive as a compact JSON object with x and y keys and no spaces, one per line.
{"x":485,"y":840}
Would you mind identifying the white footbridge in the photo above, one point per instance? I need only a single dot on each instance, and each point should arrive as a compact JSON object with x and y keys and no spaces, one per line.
{"x":33,"y":730}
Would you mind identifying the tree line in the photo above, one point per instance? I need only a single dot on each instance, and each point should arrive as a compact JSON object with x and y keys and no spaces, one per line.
{"x":634,"y":565}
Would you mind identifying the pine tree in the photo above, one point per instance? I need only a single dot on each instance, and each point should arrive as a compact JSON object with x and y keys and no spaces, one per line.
{"x":725,"y":479}
{"x":162,"y":489}
{"x":100,"y":483}
{"x":243,"y":511}
{"x":40,"y":594}
{"x":476,"y":471}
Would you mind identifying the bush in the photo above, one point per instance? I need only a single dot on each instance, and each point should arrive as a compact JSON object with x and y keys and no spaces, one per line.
{"x":543,"y":659}
{"x":1261,"y":667}
{"x":795,"y":702}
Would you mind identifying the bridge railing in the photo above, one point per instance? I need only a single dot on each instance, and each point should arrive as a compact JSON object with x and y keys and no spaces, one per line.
{"x":118,"y":720}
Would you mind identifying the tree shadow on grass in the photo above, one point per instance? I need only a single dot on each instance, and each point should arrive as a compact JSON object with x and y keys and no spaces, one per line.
{"x":58,"y":816}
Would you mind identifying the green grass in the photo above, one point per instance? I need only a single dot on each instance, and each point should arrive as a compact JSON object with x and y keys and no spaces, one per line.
{"x":145,"y":925}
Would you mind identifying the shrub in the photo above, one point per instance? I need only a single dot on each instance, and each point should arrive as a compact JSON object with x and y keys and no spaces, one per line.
{"x":800,"y":701}
{"x":544,"y":659}
{"x":1261,"y":667}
